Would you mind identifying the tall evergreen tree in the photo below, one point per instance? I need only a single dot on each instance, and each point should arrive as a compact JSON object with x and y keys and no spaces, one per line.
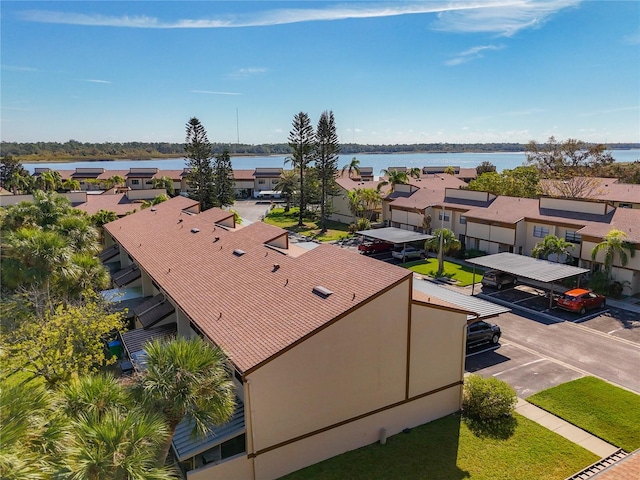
{"x":199,"y":154}
{"x":223,"y":180}
{"x":302,"y":142}
{"x":326,"y":160}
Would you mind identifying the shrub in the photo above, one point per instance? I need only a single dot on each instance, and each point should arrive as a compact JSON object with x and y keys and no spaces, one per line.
{"x":363,"y":224}
{"x":487,"y":398}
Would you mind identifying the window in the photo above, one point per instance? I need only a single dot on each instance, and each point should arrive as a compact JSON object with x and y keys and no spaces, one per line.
{"x":148,"y":182}
{"x":540,"y":232}
{"x":446,"y":216}
{"x":626,"y":205}
{"x":135,"y":182}
{"x":261,"y":181}
{"x":463,"y":220}
{"x":572,"y":237}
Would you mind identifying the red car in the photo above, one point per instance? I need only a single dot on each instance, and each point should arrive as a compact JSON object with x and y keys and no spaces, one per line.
{"x":581,"y":300}
{"x":374,"y":247}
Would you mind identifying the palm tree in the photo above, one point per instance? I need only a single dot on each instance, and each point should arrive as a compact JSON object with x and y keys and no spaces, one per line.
{"x":115,"y":181}
{"x":70,"y":184}
{"x":88,"y":273}
{"x":353,"y":166}
{"x":444,"y":241}
{"x":301,"y":141}
{"x":166,"y":183}
{"x":186,"y":377}
{"x":35,"y":257}
{"x":552,"y":245}
{"x":371,"y":200}
{"x":287,"y":185}
{"x":82,"y":235}
{"x":110,"y":437}
{"x":394,"y":177}
{"x":49,"y":181}
{"x":614,"y":244}
{"x":415,"y":172}
{"x":355,"y":202}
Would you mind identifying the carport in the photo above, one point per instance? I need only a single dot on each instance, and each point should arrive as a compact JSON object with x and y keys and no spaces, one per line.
{"x":394,"y":235}
{"x":528,"y":267}
{"x":481,"y":308}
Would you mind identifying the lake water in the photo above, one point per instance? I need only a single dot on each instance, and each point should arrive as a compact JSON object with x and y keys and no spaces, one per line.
{"x":378,"y":162}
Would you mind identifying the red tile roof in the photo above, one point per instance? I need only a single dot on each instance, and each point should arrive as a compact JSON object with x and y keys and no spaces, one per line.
{"x":240,"y":300}
{"x":118,"y":203}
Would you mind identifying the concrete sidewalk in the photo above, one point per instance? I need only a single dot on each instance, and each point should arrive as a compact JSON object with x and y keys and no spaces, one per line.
{"x":568,"y":431}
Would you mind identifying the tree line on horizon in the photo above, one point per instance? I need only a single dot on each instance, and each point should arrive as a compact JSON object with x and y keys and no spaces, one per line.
{"x":75,"y":150}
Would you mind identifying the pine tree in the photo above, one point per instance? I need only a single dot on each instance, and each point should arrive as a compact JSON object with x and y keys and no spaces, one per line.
{"x":326,"y":160}
{"x":223,"y":180}
{"x":198,"y":152}
{"x":301,"y":141}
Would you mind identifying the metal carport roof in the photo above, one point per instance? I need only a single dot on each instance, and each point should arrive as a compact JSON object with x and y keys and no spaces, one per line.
{"x":394,"y":235}
{"x":527,"y":267}
{"x":483,"y":308}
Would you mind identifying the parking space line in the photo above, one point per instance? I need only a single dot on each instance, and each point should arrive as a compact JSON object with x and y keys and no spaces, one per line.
{"x":483,"y":351}
{"x":520,"y":366}
{"x":603,"y":334}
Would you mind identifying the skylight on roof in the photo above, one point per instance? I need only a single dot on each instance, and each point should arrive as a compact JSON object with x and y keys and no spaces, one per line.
{"x":238,"y":253}
{"x":195,"y":230}
{"x":322,"y":291}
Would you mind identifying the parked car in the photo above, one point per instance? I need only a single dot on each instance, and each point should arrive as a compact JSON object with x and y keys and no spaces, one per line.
{"x":581,"y":300}
{"x":406,"y":252}
{"x":497,"y":279}
{"x":483,"y":332}
{"x":368,"y":248}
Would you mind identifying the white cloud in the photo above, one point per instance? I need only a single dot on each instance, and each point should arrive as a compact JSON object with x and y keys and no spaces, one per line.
{"x":94,"y":80}
{"x":247,"y":72}
{"x":471,"y":54}
{"x":209,"y":92}
{"x":500,"y":16}
{"x":610,"y":110}
{"x":18,"y":69}
{"x":504,"y":18}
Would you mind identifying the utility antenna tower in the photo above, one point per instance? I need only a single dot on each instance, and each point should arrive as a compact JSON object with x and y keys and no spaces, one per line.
{"x":237,"y":126}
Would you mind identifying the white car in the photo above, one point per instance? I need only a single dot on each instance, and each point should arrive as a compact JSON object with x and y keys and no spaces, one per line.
{"x":405,"y":253}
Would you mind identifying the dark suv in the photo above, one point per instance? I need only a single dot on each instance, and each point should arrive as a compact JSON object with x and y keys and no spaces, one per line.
{"x":497,"y":279}
{"x":483,"y":332}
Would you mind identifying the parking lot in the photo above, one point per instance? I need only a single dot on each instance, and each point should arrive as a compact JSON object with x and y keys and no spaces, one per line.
{"x":610,"y":320}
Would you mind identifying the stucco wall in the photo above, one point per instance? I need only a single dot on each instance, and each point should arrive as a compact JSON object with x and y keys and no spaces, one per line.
{"x":435,"y":335}
{"x":237,"y":468}
{"x":350,"y":436}
{"x":573,"y":205}
{"x":354,"y":366}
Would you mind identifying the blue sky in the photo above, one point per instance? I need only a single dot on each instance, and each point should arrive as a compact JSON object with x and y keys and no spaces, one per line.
{"x":392,"y":72}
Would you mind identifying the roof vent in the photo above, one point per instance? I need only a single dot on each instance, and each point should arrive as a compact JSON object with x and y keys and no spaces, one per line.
{"x":322,"y":291}
{"x":153,"y":209}
{"x":180,"y":220}
{"x":216,"y":239}
{"x":195,"y":230}
{"x":238,"y":253}
{"x":276,"y":266}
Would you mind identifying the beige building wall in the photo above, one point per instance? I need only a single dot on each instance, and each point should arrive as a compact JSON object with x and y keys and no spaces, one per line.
{"x":322,"y":381}
{"x":235,"y":468}
{"x":435,"y":335}
{"x":400,"y":216}
{"x":569,"y":205}
{"x":503,"y":235}
{"x":478,"y":230}
{"x":341,"y":211}
{"x":353,"y":435}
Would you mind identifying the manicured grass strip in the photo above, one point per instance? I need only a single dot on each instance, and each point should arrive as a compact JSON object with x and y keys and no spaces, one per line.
{"x":447,"y":449}
{"x":311,"y":228}
{"x":462,"y":274}
{"x":606,"y":411}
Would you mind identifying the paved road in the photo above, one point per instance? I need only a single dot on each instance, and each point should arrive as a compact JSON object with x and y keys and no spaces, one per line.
{"x":535,"y":354}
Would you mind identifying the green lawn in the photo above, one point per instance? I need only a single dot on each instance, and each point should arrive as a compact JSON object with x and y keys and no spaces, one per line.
{"x":311,"y":228}
{"x":447,"y":450}
{"x":607,"y":411}
{"x":462,"y":274}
